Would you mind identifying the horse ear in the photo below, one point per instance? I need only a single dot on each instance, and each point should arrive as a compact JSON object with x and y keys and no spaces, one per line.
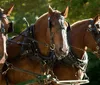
{"x":8,"y":12}
{"x":1,"y":10}
{"x":50,"y":10}
{"x":65,"y":12}
{"x":96,"y":18}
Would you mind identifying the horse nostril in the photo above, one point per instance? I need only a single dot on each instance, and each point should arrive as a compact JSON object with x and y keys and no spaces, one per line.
{"x":97,"y":25}
{"x":63,"y":52}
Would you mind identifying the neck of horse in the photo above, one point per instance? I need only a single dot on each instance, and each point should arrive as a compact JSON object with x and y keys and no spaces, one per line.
{"x":78,"y":37}
{"x":42,"y":34}
{"x":13,"y":48}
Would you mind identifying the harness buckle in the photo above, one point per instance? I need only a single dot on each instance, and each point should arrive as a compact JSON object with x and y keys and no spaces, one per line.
{"x":52,"y":46}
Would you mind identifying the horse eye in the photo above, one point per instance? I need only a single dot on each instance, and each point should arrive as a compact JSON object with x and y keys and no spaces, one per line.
{"x":97,"y":25}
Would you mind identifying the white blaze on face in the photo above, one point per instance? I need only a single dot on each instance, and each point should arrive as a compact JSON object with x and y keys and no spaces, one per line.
{"x":65,"y":43}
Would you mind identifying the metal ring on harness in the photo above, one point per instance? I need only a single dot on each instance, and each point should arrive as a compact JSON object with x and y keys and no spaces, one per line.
{"x":52,"y":46}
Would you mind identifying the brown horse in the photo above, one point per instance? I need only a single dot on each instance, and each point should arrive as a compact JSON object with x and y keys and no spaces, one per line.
{"x":83,"y":34}
{"x":5,"y":27}
{"x":35,"y":47}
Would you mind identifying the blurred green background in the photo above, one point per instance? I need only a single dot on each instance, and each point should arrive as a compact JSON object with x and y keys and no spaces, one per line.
{"x":31,"y":9}
{"x":78,"y":10}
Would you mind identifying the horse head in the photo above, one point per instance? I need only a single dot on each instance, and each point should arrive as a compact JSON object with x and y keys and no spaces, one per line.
{"x":6,"y":24}
{"x":54,"y":26}
{"x":4,"y":29}
{"x":94,"y":28}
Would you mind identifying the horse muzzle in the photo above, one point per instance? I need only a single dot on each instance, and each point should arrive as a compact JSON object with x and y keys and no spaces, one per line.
{"x":61,"y":54}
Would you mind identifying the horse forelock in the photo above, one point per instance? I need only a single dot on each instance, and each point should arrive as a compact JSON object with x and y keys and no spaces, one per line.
{"x":56,"y":11}
{"x":46,"y":15}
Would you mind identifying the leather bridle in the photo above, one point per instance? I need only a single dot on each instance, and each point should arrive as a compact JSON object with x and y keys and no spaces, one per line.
{"x":96,"y":34}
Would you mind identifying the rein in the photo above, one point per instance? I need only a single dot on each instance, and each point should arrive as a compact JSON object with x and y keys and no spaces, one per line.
{"x":79,"y":48}
{"x":39,"y":78}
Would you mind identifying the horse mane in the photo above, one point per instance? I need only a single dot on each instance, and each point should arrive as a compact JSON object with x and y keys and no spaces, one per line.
{"x":45,"y":14}
{"x":80,"y":21}
{"x":15,"y":36}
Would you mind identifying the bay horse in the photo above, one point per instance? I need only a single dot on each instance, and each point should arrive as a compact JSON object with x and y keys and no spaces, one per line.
{"x":37,"y":46}
{"x":5,"y":28}
{"x":83,"y":34}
